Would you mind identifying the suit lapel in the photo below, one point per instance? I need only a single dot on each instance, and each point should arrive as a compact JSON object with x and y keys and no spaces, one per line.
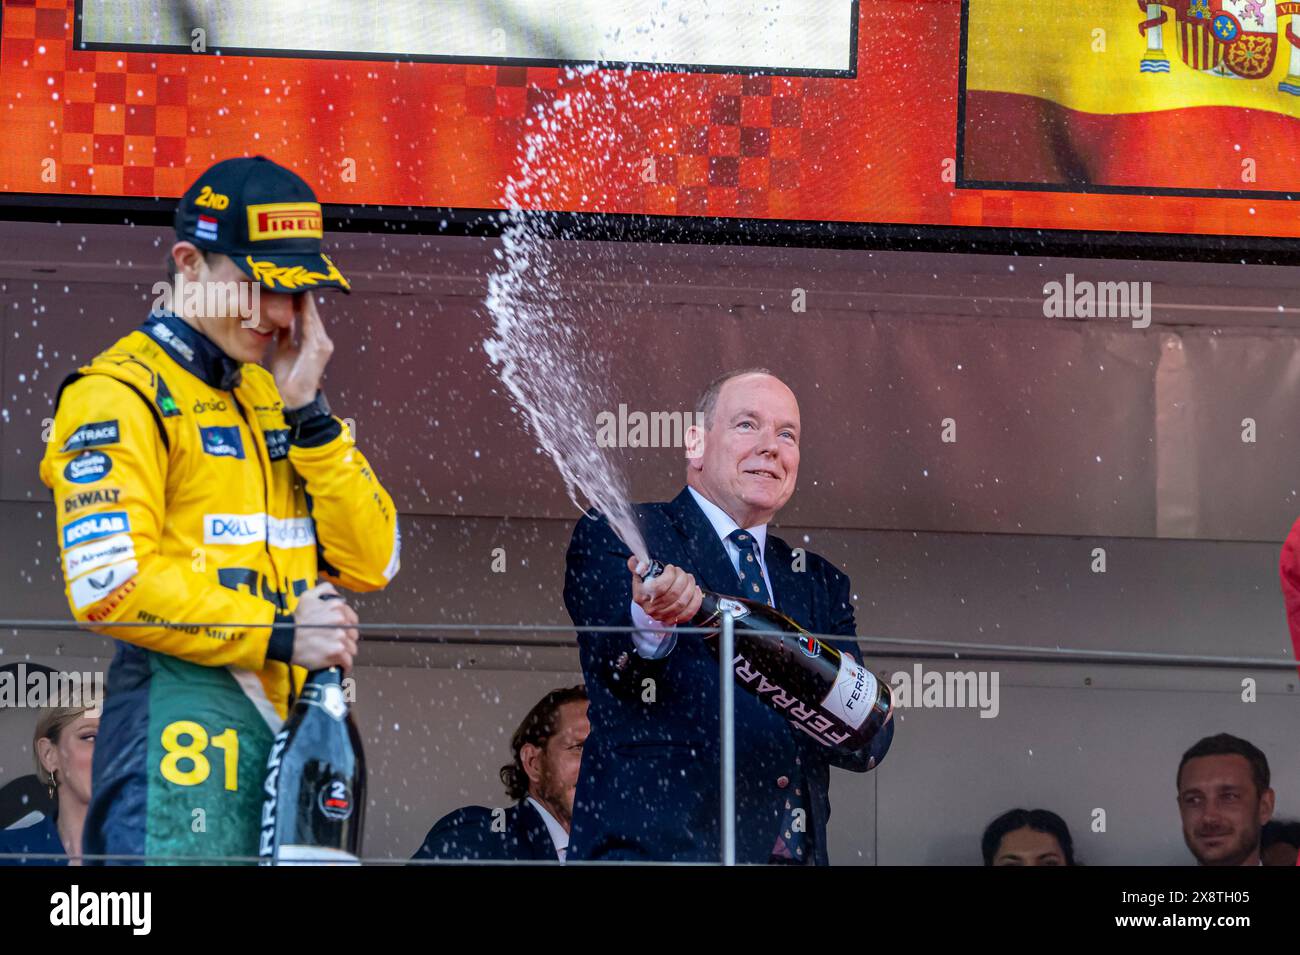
{"x":533,"y":833}
{"x":709,"y":561}
{"x":791,"y":588}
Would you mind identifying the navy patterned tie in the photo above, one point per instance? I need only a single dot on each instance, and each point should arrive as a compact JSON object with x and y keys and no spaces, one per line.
{"x":789,"y":846}
{"x":752,"y":584}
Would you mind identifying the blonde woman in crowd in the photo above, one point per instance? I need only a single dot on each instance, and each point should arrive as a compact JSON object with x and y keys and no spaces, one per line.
{"x":63,"y":744}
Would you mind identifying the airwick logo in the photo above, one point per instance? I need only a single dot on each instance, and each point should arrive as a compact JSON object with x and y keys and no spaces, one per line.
{"x":36,"y":687}
{"x":233,"y":529}
{"x":88,"y":557}
{"x":285,"y":220}
{"x":209,"y":299}
{"x":637,"y":429}
{"x":130,"y":909}
{"x":1071,"y":299}
{"x":947,"y":689}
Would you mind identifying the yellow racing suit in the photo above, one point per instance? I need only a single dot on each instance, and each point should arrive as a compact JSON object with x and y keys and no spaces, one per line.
{"x":191,"y":513}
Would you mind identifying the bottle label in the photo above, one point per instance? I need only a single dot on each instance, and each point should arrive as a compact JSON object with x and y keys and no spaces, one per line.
{"x":854,"y":692}
{"x":271,"y":792}
{"x":802,"y":717}
{"x":314,"y":855}
{"x":733,"y":607}
{"x":335,"y":799}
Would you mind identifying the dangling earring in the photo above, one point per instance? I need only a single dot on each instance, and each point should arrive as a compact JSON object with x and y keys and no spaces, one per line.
{"x":54,"y":782}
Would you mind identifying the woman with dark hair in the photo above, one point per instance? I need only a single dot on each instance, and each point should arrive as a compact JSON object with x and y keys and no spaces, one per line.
{"x":62,"y":745}
{"x":1028,"y":837}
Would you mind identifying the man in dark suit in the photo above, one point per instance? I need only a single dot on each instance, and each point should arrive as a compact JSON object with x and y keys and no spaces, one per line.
{"x":649,"y":786}
{"x":547,"y":749}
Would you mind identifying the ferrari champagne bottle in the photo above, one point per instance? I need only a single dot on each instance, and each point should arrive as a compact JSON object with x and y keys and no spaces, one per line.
{"x":315,"y":790}
{"x":821,"y":691}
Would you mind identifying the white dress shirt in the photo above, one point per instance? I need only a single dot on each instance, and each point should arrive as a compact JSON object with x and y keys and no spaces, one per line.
{"x":557,"y":833}
{"x":653,"y":639}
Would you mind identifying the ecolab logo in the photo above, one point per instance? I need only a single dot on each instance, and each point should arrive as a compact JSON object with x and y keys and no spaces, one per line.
{"x":94,"y":526}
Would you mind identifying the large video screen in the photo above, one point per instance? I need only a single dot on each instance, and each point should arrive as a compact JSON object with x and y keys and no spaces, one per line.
{"x":1176,"y":118}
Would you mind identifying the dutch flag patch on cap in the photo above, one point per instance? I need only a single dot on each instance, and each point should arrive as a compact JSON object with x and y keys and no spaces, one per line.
{"x":207,"y":228}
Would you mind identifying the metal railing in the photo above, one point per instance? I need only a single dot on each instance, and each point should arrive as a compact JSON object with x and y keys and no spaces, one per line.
{"x":471,"y":635}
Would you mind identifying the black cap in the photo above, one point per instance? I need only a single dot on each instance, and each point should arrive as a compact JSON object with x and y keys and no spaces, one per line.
{"x":266,"y":218}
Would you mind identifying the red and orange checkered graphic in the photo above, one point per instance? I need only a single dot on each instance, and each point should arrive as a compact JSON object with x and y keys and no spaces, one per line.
{"x":425,"y":134}
{"x":872,"y":148}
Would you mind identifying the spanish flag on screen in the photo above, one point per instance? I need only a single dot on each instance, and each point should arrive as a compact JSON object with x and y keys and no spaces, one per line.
{"x":1186,"y":94}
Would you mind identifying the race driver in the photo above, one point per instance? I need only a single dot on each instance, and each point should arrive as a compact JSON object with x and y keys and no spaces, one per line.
{"x":199,"y":497}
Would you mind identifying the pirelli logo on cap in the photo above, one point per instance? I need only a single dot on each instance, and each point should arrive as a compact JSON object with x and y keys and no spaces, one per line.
{"x":285,"y":220}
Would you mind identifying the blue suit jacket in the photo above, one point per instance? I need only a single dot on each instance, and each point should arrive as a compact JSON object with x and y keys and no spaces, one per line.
{"x":467,"y":833}
{"x":649,"y":785}
{"x":42,"y":837}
